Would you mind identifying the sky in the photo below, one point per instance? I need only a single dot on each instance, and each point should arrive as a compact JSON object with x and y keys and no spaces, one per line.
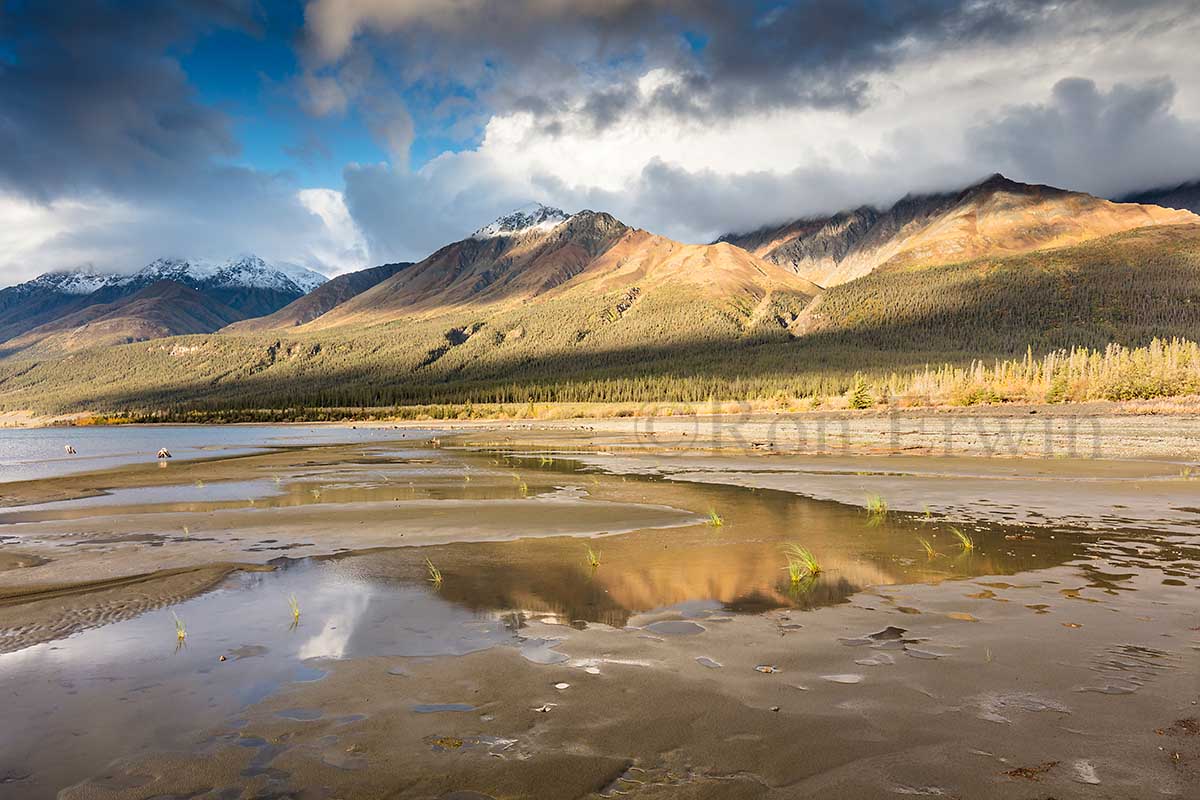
{"x":341,"y":134}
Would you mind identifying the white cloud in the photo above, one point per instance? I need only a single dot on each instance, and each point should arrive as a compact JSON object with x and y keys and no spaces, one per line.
{"x":37,"y":237}
{"x":936,"y":121}
{"x":231,"y":212}
{"x":343,"y":248}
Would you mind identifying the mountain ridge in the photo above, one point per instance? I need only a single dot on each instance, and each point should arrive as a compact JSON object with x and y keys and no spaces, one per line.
{"x":247,"y":284}
{"x":164,"y":308}
{"x":535,"y":260}
{"x":320,"y":300}
{"x":996,"y":216}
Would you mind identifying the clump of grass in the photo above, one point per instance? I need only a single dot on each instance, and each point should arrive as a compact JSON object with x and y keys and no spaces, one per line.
{"x":546,"y":461}
{"x":801,"y":563}
{"x":963,"y":539}
{"x":523,"y":488}
{"x":180,"y":628}
{"x":593,"y":557}
{"x":876,"y":505}
{"x":714,"y":519}
{"x":435,"y":574}
{"x":929,"y":551}
{"x":294,"y":605}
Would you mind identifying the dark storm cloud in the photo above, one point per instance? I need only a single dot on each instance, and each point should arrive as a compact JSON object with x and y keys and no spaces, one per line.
{"x":101,"y":130}
{"x":723,"y":57}
{"x":90,"y":100}
{"x":1078,"y":137}
{"x":1107,"y":143}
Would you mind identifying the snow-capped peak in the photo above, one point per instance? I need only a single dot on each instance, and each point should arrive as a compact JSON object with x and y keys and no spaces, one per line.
{"x":248,"y":271}
{"x":534,"y":216}
{"x":80,"y":281}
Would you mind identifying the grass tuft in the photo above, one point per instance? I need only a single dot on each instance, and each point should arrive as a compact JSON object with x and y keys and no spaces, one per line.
{"x":294,"y":605}
{"x":714,"y":519}
{"x":593,"y":557}
{"x":435,"y":574}
{"x":876,"y":505}
{"x":180,"y":628}
{"x":963,"y":539}
{"x":801,"y":563}
{"x":929,"y":551}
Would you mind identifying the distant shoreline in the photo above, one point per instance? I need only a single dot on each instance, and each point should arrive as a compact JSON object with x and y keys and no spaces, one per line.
{"x":1164,"y":428}
{"x":405,"y":416}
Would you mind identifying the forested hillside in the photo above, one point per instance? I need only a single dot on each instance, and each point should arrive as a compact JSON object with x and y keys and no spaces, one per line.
{"x":682,"y":345}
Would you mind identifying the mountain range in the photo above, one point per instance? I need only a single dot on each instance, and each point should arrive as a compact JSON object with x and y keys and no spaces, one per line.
{"x":83,"y":307}
{"x":996,"y":217}
{"x":546,"y":304}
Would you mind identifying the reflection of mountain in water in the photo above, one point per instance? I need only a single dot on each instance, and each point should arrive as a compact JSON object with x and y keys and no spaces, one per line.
{"x":740,"y":565}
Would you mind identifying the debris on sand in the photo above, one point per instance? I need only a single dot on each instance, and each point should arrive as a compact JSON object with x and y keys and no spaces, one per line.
{"x":1031,"y":773}
{"x":1181,"y":727}
{"x":1085,"y":772}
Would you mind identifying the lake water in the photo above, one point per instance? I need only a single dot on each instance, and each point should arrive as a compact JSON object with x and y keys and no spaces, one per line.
{"x":34,"y":453}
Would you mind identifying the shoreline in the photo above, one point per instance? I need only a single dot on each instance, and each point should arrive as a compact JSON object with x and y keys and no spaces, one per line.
{"x":483,"y":413}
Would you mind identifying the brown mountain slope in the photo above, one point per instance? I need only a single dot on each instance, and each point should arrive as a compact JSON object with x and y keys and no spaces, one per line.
{"x":995,"y":218}
{"x":320,"y":300}
{"x":589,"y":253}
{"x":484,"y":269}
{"x":165,"y":308}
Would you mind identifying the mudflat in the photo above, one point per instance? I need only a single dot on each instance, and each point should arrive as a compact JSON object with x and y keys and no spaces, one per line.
{"x":591,"y":608}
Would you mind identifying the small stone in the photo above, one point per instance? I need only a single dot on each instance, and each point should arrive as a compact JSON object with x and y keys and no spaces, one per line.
{"x":562,"y":686}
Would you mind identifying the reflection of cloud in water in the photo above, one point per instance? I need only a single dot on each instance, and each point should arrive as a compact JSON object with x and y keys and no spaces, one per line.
{"x":339,"y":626}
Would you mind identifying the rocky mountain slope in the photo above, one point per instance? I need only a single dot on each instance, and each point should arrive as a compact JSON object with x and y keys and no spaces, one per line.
{"x":320,"y":300}
{"x":164,"y":308}
{"x":248,"y":285}
{"x":997,"y":217}
{"x":523,"y":258}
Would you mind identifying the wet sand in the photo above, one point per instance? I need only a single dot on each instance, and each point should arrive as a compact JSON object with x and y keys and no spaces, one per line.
{"x":1055,"y":657}
{"x":640,"y":716}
